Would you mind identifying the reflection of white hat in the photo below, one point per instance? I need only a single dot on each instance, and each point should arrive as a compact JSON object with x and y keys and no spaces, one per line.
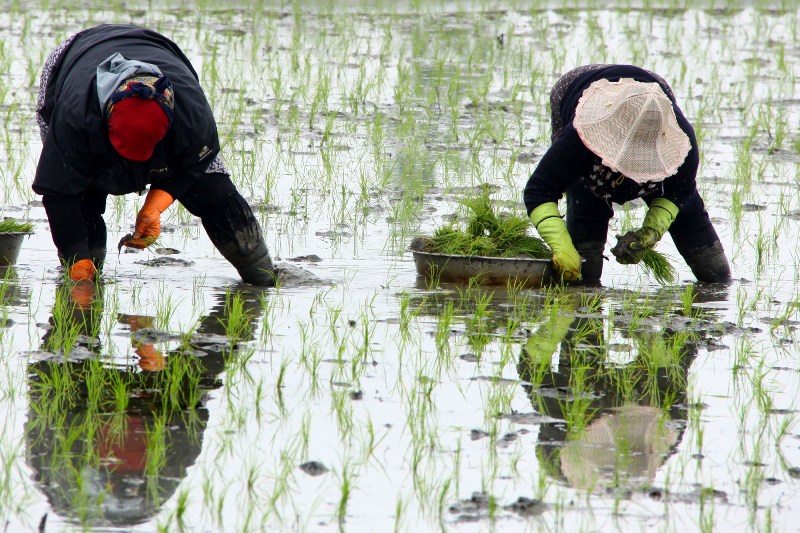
{"x":631,"y":125}
{"x":627,"y":446}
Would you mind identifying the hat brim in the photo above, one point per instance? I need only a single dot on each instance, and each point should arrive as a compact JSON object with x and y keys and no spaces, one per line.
{"x":610,"y":121}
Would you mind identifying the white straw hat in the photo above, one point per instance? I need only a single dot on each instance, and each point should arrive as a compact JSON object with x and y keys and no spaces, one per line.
{"x":631,"y":125}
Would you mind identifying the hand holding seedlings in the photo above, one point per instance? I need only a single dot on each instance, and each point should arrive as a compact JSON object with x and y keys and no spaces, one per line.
{"x":657,"y":221}
{"x":618,"y":135}
{"x":148,"y":221}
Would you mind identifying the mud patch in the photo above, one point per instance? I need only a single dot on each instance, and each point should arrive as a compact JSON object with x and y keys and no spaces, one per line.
{"x":167,"y":251}
{"x":527,"y":506}
{"x":312,"y":258}
{"x":292,"y":276}
{"x":530,"y":418}
{"x":165,"y":261}
{"x":314,"y":468}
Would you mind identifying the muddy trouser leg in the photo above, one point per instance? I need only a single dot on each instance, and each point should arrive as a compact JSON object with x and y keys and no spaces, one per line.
{"x":231,"y":226}
{"x":93,"y":206}
{"x":698,"y":243}
{"x":587,"y":222}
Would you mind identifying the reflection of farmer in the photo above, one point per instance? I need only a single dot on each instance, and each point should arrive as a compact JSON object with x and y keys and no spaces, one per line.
{"x":618,"y":134}
{"x":120,"y":108}
{"x":106,"y":459}
{"x":617,"y":422}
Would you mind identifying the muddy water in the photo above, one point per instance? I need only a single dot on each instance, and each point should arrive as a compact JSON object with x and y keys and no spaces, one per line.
{"x":355,"y":396}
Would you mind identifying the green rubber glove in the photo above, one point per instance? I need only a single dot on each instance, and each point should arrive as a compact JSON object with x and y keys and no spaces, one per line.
{"x":657,"y":221}
{"x":552,"y":228}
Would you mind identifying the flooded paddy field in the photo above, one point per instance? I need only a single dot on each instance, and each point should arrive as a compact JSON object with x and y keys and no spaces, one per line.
{"x":357,"y":396}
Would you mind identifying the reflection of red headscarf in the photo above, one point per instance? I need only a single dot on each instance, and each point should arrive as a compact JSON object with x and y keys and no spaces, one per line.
{"x":124,"y":451}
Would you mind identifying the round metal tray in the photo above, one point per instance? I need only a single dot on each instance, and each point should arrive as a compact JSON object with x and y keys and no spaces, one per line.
{"x":516,"y":271}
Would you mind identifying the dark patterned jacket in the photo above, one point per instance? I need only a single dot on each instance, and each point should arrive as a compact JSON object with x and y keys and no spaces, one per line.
{"x":569,"y":160}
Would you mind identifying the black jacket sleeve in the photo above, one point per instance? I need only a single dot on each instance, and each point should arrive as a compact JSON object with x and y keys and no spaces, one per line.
{"x":679,"y":188}
{"x":564,"y":162}
{"x":64,"y":165}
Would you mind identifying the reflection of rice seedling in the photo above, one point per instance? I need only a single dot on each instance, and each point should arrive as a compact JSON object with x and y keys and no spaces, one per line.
{"x":487,"y":234}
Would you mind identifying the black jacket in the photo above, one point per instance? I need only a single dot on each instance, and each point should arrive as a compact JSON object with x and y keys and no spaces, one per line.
{"x":77,"y":153}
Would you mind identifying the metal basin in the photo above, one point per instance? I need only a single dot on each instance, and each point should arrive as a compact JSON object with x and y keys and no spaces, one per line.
{"x":516,"y":271}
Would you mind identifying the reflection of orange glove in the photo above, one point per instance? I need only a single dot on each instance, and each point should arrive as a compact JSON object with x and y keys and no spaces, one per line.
{"x":150,"y":359}
{"x":82,"y":293}
{"x":82,"y":270}
{"x":137,"y":322}
{"x":148,"y":221}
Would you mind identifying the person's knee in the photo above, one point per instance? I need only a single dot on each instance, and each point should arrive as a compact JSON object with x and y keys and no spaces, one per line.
{"x":709,"y":263}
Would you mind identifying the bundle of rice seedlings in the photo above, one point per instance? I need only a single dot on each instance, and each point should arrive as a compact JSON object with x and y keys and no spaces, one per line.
{"x":12,"y":225}
{"x":487,"y":234}
{"x":658,"y":266}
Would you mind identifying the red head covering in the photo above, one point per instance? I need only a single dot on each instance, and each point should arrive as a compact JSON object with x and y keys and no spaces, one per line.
{"x":135,"y":125}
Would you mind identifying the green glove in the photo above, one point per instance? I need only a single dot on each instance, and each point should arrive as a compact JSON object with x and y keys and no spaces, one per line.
{"x":657,"y":221}
{"x":548,"y":222}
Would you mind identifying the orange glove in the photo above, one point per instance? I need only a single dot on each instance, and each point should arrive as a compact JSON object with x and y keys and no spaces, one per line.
{"x":148,"y":221}
{"x":82,"y":270}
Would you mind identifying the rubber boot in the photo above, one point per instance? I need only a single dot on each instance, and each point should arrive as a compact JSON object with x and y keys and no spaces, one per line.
{"x":592,"y":266}
{"x":709,"y":264}
{"x":255,"y":267}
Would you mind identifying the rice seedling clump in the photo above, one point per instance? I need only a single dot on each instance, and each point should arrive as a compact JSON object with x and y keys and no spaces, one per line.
{"x":11,"y":225}
{"x":486,"y":234}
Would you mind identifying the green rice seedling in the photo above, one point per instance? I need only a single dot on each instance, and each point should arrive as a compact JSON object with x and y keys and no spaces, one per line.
{"x":657,"y":265}
{"x":156,"y":452}
{"x":11,"y":225}
{"x":487,"y":234}
{"x":68,"y":322}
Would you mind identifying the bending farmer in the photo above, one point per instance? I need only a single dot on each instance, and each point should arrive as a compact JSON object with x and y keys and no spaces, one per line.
{"x":120,"y":108}
{"x":617,"y":135}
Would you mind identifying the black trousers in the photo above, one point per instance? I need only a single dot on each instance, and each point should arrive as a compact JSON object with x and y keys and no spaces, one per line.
{"x":225,"y":214}
{"x":692,"y":232}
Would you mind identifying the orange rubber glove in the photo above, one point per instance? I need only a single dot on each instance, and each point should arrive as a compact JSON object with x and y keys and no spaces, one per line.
{"x":82,"y":270}
{"x":148,"y":221}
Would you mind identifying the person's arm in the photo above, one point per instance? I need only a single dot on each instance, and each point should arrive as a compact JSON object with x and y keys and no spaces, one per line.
{"x":194,"y":146}
{"x":680,"y":187}
{"x":663,"y":207}
{"x":557,"y":170}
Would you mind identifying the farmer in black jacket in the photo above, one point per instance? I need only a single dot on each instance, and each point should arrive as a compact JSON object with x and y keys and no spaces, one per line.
{"x":618,"y":134}
{"x":120,"y":108}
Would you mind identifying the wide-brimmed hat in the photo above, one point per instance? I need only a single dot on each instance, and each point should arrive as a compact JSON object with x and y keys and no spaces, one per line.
{"x":631,"y":126}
